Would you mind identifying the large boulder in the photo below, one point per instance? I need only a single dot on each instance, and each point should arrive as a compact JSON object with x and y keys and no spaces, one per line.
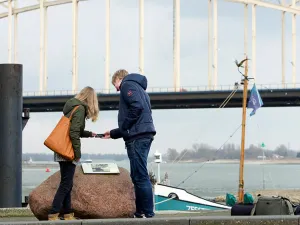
{"x":93,"y":195}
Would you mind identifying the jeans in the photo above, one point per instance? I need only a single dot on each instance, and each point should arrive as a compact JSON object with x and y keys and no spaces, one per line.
{"x":62,"y":198}
{"x":138,"y":151}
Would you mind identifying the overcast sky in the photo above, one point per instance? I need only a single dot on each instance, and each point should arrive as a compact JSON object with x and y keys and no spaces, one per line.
{"x":175,"y":128}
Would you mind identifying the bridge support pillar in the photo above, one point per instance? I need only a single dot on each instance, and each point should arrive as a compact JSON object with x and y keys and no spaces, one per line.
{"x":11,"y":104}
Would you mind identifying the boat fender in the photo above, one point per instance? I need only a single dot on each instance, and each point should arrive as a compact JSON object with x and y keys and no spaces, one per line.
{"x":173,"y":195}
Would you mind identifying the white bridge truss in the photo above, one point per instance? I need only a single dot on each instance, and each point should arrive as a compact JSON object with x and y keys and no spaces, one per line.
{"x":282,"y":5}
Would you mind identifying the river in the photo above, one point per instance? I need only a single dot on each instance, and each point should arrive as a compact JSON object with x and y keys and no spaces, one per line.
{"x":206,"y":180}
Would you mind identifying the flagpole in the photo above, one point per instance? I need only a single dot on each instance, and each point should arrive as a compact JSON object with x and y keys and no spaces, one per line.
{"x":242,"y":158}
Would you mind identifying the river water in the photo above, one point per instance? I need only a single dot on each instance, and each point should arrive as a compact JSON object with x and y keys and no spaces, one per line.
{"x":209,"y":181}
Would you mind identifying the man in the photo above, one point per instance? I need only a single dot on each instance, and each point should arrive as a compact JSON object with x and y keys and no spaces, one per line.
{"x":135,"y":126}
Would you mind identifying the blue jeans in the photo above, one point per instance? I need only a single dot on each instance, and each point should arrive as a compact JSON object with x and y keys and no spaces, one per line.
{"x":138,"y":151}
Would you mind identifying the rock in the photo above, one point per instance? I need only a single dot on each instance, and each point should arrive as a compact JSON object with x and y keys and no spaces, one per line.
{"x":94,"y":196}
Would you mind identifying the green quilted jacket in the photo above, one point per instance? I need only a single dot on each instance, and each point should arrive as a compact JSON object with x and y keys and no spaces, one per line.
{"x":77,"y":126}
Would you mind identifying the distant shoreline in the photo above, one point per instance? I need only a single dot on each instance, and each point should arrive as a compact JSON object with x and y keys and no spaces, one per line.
{"x":247,"y":161}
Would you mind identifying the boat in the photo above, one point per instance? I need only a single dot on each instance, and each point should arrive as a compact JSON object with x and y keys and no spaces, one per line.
{"x":172,"y":198}
{"x":28,"y":161}
{"x":169,"y":198}
{"x":87,"y":161}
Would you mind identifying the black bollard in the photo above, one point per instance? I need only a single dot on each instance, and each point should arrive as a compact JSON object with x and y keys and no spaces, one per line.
{"x":11,"y":105}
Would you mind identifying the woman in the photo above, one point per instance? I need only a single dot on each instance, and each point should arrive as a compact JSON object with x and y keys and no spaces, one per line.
{"x":88,"y":109}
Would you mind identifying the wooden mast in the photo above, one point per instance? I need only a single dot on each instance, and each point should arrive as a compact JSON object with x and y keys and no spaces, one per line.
{"x":242,"y":158}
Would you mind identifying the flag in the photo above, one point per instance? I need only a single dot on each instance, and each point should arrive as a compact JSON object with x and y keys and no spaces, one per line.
{"x":255,"y":101}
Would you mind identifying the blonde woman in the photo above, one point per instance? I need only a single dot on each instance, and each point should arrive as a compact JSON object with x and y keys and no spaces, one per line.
{"x":88,"y":109}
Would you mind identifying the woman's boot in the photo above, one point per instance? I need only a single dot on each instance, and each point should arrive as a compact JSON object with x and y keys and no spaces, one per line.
{"x":53,"y":216}
{"x":69,"y":216}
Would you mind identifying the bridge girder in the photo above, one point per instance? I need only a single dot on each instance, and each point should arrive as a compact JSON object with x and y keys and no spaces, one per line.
{"x":35,"y":7}
{"x":291,"y":8}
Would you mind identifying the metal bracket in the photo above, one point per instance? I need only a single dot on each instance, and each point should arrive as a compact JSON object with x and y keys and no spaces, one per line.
{"x":26,"y":117}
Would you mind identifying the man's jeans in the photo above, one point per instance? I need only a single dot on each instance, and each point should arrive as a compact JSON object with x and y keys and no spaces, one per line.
{"x":138,"y":151}
{"x":62,"y":197}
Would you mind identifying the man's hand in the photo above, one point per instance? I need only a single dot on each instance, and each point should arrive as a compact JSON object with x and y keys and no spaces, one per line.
{"x":106,"y":135}
{"x":94,"y":134}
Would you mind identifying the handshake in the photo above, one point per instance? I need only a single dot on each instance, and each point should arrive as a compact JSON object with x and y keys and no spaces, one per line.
{"x":105,"y":135}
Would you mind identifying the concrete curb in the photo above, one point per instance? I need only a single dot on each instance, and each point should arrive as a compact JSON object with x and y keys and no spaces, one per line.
{"x":15,"y":212}
{"x":202,"y":220}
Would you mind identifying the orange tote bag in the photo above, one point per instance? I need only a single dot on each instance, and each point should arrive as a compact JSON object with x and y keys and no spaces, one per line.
{"x":59,"y":140}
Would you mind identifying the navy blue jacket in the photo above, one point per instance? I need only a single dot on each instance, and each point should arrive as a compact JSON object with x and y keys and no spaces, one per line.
{"x":135,"y":115}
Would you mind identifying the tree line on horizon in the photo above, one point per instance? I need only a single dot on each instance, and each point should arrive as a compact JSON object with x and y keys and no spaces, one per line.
{"x":197,"y":152}
{"x":228,"y":151}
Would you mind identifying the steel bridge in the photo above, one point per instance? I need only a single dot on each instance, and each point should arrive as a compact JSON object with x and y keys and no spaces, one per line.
{"x":284,"y":6}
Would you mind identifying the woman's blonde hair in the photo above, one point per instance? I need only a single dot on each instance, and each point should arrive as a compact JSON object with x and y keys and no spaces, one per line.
{"x":88,"y":96}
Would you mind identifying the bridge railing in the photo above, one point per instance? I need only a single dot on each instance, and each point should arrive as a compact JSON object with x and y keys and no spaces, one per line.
{"x":166,"y":89}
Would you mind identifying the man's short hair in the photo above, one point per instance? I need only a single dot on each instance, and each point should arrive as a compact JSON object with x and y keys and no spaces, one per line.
{"x":118,"y":75}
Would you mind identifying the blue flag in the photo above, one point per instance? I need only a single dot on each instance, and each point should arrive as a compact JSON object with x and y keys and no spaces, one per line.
{"x":255,"y":101}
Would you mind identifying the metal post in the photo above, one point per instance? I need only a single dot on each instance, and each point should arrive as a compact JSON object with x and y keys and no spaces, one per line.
{"x":75,"y":45}
{"x":263,"y":168}
{"x":215,"y":5}
{"x":294,"y":43}
{"x":45,"y":48}
{"x":42,"y":33}
{"x":158,"y":173}
{"x":9,"y":31}
{"x":15,"y":32}
{"x":209,"y":43}
{"x":11,"y":103}
{"x":245,"y":30}
{"x":176,"y":43}
{"x":107,"y":42}
{"x":141,"y":67}
{"x":254,"y":41}
{"x":283,"y":48}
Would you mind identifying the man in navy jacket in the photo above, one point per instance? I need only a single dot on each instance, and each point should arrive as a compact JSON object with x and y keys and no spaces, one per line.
{"x":135,"y":126}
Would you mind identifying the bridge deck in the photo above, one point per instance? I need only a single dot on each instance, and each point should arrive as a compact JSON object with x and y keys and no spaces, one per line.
{"x":173,"y":100}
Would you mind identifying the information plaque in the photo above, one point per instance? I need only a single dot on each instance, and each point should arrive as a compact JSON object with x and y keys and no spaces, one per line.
{"x":100,"y":168}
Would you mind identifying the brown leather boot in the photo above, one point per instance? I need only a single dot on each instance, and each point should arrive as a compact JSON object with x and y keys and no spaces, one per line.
{"x":69,"y":216}
{"x":53,"y":216}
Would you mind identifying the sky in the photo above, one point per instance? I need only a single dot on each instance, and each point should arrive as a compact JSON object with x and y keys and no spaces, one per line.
{"x":177,"y":129}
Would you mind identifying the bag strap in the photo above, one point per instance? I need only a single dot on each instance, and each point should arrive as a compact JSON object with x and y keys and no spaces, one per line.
{"x":76,"y":107}
{"x":289,"y":204}
{"x":253,"y":211}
